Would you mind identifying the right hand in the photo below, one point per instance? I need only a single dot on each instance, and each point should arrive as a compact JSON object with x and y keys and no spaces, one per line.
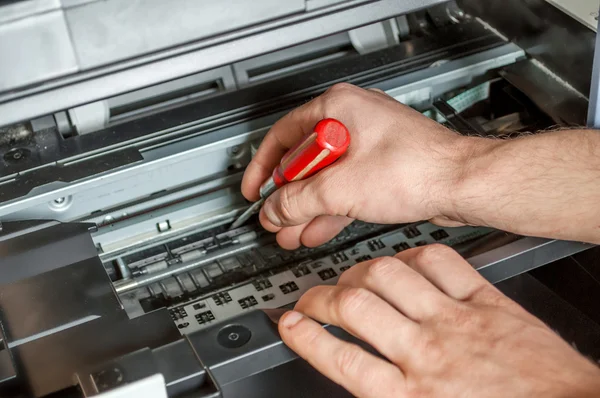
{"x":443,"y":330}
{"x":399,"y":168}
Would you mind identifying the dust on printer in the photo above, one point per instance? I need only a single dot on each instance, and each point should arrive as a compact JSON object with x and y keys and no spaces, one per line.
{"x":125,"y":128}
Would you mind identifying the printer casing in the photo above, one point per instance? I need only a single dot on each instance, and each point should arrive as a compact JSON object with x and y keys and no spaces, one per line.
{"x":125,"y":128}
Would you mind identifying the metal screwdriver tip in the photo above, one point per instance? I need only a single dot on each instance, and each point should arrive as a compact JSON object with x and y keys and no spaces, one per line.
{"x":255,"y":208}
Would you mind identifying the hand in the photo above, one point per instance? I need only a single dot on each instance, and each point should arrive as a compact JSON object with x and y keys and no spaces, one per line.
{"x":399,"y":168}
{"x":445,"y":331}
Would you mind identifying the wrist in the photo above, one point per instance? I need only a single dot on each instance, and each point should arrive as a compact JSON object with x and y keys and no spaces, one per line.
{"x":470,"y":162}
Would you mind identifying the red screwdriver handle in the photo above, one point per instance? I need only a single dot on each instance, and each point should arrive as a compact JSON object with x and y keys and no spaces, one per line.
{"x":330,"y":140}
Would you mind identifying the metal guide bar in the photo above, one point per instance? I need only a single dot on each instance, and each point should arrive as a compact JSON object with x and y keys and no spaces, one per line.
{"x":215,"y":259}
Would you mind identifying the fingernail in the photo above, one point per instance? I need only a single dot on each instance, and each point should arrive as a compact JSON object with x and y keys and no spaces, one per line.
{"x":271,"y":214}
{"x":291,"y":319}
{"x":275,"y":314}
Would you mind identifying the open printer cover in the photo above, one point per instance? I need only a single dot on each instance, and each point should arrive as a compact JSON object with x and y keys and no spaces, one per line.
{"x":125,"y":128}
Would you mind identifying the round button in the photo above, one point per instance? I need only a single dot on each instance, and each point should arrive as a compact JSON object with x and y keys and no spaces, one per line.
{"x":233,"y":336}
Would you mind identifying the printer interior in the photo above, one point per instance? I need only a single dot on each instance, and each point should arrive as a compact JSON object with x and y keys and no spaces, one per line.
{"x":115,"y":209}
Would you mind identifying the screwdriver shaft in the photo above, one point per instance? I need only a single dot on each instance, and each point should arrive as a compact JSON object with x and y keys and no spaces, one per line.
{"x":255,"y":208}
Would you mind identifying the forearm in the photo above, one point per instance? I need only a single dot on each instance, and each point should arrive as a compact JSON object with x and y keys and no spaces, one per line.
{"x":545,"y":185}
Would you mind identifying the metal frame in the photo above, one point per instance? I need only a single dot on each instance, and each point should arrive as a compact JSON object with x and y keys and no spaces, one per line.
{"x":209,"y":151}
{"x":522,"y":256}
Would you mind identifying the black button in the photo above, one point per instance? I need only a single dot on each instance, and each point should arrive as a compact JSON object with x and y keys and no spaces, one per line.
{"x":107,"y":379}
{"x":234,"y":336}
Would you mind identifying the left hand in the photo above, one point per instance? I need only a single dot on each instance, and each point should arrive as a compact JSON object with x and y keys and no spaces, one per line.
{"x":445,"y":331}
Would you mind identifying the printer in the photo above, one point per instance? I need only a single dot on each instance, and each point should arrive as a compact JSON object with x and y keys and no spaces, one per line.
{"x":125,"y":129}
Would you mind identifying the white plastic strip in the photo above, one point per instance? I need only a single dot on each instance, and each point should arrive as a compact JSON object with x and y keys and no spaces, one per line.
{"x":585,"y":11}
{"x":150,"y":387}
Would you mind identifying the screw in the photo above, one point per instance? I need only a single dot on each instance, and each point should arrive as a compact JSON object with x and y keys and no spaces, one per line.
{"x":16,"y":155}
{"x":235,"y":150}
{"x":60,"y":204}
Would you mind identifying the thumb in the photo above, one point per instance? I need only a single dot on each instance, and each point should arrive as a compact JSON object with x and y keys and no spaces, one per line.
{"x":297,"y":203}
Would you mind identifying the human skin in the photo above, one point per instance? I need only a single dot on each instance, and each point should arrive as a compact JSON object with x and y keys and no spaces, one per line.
{"x":444,"y":330}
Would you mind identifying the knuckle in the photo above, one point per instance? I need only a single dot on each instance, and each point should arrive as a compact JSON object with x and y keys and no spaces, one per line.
{"x":433,"y":253}
{"x":381,"y":269}
{"x":349,"y":361}
{"x":351,"y":300}
{"x":287,"y":204}
{"x":341,"y":87}
{"x":295,"y":113}
{"x":339,"y":97}
{"x":377,"y":90}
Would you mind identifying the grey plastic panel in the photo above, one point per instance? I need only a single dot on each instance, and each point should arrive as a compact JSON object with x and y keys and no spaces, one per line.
{"x":35,"y":49}
{"x":22,"y":9}
{"x":244,"y":70}
{"x":187,"y":58}
{"x":113,"y":30}
{"x":216,"y":80}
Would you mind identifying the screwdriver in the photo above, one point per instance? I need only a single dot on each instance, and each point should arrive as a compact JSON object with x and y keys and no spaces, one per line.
{"x":330,"y":140}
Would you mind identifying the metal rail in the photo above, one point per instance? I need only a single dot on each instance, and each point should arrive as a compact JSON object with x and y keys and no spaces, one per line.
{"x":131,"y":284}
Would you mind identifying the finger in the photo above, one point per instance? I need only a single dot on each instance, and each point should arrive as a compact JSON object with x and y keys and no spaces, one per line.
{"x":284,"y":134}
{"x":323,"y":229}
{"x":266,"y":223}
{"x":312,"y":234}
{"x":299,"y":202}
{"x":447,"y":270}
{"x":359,"y":372}
{"x":401,"y":286}
{"x":289,"y":238}
{"x":364,"y":315}
{"x":293,"y":204}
